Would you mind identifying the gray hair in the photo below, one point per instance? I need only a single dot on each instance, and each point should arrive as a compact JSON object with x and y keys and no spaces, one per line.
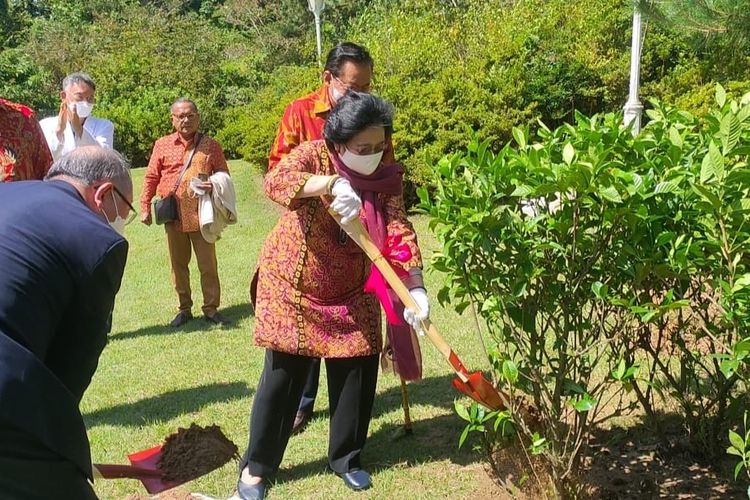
{"x":79,"y":77}
{"x":93,"y":164}
{"x":183,"y":100}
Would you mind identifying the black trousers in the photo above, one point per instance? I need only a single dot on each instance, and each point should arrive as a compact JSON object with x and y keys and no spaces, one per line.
{"x":30,"y":471}
{"x":310,"y":392}
{"x":351,"y":392}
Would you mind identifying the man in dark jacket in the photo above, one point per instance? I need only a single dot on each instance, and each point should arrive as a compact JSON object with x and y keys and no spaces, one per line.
{"x":61,"y":262}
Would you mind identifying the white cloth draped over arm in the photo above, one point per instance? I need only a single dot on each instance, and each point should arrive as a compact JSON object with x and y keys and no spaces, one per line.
{"x":216,"y":209}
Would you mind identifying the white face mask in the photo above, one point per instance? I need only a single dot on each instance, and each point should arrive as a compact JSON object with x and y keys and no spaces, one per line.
{"x":336,"y":94}
{"x":362,"y":164}
{"x":119,"y":223}
{"x":83,"y":108}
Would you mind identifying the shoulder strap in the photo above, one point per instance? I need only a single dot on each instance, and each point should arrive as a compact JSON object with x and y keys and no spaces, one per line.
{"x":187,"y":163}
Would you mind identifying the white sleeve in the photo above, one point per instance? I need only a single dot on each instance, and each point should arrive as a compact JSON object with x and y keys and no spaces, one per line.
{"x":50,"y":135}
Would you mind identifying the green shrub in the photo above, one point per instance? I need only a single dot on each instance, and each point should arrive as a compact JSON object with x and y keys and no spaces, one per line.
{"x":630,"y":276}
{"x":249,"y":130}
{"x":21,"y":80}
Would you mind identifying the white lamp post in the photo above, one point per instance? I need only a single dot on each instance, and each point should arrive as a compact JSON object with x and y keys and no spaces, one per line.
{"x":316,"y":7}
{"x":633,"y":108}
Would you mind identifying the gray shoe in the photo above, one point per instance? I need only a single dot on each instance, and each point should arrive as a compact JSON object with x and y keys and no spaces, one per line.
{"x":218,"y":319}
{"x":181,"y":319}
{"x":251,"y":491}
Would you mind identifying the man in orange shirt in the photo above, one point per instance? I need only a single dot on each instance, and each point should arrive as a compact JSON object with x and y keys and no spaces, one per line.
{"x":170,"y":155}
{"x":348,"y":66}
{"x":24,"y":154}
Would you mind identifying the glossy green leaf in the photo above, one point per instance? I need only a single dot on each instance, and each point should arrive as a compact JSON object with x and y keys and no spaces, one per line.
{"x":737,"y":441}
{"x":721,"y":95}
{"x":569,"y":153}
{"x":666,"y":187}
{"x":599,"y":289}
{"x":510,"y":371}
{"x":611,"y":194}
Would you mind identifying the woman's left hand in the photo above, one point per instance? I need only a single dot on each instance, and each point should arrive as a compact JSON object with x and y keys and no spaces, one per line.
{"x":415,"y":318}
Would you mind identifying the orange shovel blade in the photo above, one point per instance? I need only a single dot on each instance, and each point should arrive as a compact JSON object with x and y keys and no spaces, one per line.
{"x":480,"y":390}
{"x":148,"y":459}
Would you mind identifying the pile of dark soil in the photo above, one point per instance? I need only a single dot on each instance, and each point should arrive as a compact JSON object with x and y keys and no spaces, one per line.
{"x":190,"y":453}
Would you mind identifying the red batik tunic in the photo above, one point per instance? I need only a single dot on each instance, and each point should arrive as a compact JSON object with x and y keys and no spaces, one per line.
{"x":310,"y":299}
{"x":24,"y":154}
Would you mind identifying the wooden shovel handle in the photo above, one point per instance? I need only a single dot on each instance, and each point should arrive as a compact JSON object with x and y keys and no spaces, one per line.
{"x":358,"y":233}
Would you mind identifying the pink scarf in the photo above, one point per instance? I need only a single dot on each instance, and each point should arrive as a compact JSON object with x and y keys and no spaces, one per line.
{"x":387,"y":179}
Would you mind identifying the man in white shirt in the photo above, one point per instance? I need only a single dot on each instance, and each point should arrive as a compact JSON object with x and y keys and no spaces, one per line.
{"x":74,"y":126}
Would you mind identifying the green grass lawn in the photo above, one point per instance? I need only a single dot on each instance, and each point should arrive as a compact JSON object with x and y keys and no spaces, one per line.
{"x":152,"y":379}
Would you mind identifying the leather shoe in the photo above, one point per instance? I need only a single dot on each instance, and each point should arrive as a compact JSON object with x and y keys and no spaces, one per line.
{"x":301,"y":420}
{"x":181,"y":319}
{"x":356,"y":479}
{"x":251,"y":491}
{"x":218,"y":319}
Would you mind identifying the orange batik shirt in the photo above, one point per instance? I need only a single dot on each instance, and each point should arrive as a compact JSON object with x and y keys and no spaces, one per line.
{"x":24,"y":154}
{"x":303,"y":121}
{"x":164,"y":167}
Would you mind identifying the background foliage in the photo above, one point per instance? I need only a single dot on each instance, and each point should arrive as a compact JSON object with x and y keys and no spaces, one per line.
{"x":475,"y":65}
{"x":612,"y":272}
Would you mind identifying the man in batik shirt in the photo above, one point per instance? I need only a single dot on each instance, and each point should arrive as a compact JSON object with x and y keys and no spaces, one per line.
{"x":23,"y":151}
{"x":170,"y":155}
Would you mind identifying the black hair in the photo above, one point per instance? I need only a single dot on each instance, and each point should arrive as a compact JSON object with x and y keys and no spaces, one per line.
{"x":355,"y":112}
{"x":347,"y":52}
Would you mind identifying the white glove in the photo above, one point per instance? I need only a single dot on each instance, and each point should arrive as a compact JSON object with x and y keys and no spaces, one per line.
{"x":414,"y":318}
{"x":346,"y":201}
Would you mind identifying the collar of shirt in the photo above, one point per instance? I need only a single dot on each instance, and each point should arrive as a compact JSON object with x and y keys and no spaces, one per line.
{"x":178,"y":140}
{"x":321,"y":101}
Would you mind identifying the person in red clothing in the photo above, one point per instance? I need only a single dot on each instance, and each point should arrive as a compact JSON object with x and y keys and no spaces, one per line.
{"x":348,"y":67}
{"x":24,"y":154}
{"x":170,"y":155}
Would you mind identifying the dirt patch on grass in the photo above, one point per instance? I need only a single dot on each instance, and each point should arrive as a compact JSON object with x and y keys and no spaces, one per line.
{"x":628,"y":467}
{"x":641,"y":470}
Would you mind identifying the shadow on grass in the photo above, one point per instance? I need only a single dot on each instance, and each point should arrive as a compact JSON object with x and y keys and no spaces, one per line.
{"x":167,"y":406}
{"x":634,"y":461}
{"x":433,"y":439}
{"x":236,"y":313}
{"x":433,"y":391}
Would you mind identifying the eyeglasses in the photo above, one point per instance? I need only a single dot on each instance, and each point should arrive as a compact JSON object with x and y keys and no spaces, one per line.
{"x":132,"y":213}
{"x":366,"y":89}
{"x":187,"y":117}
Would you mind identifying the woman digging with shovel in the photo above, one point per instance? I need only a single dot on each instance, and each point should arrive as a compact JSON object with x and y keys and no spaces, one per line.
{"x":311,"y":299}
